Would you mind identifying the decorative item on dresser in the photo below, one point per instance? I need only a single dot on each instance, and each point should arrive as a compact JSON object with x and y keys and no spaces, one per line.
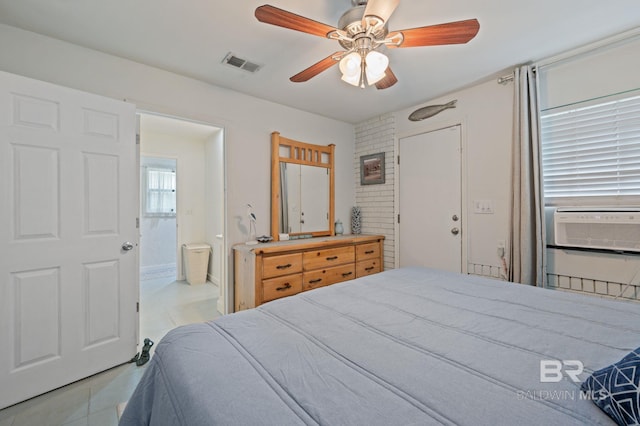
{"x":339,"y":228}
{"x":356,"y":220}
{"x":274,"y":270}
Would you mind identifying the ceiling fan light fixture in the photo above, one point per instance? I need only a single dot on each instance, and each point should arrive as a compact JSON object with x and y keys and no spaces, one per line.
{"x":353,"y":80}
{"x":361,"y":30}
{"x":376,"y":66}
{"x":350,"y":67}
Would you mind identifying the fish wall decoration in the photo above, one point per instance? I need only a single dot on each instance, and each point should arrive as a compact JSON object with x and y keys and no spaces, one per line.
{"x":430,"y":111}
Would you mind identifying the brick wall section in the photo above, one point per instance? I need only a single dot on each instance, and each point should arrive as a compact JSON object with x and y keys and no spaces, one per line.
{"x":377,"y":201}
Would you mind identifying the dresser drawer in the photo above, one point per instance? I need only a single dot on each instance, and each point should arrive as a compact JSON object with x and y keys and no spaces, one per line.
{"x":368,"y":267}
{"x":367,"y":251}
{"x":327,"y":276}
{"x":275,"y":288}
{"x":275,"y":266}
{"x":316,"y":259}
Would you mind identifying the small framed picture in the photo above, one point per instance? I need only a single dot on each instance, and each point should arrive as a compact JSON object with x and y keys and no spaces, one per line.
{"x":372,"y":169}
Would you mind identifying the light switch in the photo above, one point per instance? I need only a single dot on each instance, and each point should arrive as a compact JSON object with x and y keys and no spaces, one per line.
{"x":483,"y":206}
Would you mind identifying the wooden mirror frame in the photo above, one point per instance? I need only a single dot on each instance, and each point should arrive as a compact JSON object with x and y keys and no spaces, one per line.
{"x":304,"y":154}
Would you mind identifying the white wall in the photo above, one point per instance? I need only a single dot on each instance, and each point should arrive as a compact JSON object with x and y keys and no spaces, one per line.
{"x":214,"y":199}
{"x":247,"y":121}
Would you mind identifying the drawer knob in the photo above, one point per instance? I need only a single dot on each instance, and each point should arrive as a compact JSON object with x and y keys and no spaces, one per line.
{"x":346,"y":274}
{"x":370,"y":268}
{"x":332,"y":258}
{"x":369,"y":252}
{"x":288,"y":265}
{"x":286,"y":286}
{"x":317,"y":280}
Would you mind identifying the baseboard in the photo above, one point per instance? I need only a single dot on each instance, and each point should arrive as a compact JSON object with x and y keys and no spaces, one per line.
{"x":213,"y":279}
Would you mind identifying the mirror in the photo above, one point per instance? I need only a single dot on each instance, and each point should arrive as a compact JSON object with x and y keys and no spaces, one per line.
{"x":302,"y":188}
{"x":304,"y":198}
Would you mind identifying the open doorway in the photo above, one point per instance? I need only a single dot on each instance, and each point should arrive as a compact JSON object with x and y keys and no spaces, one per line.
{"x":182,"y":202}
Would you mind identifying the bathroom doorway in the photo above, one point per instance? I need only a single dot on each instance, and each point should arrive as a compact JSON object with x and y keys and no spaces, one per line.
{"x":182,"y":202}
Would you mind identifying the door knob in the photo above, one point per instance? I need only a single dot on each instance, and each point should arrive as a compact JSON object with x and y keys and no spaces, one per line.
{"x":455,"y":231}
{"x":127,"y":246}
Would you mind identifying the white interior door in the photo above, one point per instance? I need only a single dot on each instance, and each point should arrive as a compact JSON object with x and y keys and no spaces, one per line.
{"x":69,"y":190}
{"x":430,"y":231}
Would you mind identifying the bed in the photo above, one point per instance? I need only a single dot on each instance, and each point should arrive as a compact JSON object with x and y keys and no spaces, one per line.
{"x":409,"y":346}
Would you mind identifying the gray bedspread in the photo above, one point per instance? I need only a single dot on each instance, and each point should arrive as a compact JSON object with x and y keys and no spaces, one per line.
{"x":405,"y":347}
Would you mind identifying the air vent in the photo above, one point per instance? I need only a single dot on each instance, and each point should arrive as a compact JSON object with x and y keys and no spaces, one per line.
{"x":243,"y":64}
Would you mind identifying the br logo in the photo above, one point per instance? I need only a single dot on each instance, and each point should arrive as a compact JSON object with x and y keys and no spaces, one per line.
{"x":552,"y":371}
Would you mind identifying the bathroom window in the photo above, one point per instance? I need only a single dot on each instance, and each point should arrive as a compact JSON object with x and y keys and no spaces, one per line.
{"x":159,"y":192}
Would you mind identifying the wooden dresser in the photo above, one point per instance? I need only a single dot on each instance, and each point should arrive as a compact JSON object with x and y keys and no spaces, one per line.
{"x":268,"y":271}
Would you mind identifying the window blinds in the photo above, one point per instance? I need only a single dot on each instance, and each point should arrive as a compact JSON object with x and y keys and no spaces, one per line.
{"x":592,"y":150}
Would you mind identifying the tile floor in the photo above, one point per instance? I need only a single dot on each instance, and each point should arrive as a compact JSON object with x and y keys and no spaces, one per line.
{"x":164,"y":304}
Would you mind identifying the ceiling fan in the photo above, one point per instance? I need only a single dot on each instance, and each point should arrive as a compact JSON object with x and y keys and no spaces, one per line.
{"x":362,"y":31}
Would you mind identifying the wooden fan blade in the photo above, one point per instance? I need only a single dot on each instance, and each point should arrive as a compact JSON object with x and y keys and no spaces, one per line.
{"x":388,"y":80}
{"x":318,"y":67}
{"x":274,"y":16}
{"x":381,"y":9}
{"x":458,"y":32}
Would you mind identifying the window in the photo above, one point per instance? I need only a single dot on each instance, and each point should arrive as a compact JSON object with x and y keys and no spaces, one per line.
{"x":159,"y":192}
{"x":591,"y":152}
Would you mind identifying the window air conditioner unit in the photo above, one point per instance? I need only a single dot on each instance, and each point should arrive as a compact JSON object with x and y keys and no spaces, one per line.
{"x":610,"y":229}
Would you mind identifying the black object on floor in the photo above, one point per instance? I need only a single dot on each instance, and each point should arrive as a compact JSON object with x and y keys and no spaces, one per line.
{"x":144,"y":355}
{"x":141,"y":358}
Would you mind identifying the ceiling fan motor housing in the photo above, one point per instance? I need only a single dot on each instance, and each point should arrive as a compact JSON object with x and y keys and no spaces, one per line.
{"x":351,"y":23}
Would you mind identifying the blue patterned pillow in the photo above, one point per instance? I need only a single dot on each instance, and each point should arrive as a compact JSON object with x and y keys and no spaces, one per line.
{"x":616,"y":389}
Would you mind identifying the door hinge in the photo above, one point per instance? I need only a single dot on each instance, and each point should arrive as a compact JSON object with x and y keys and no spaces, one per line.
{"x":137,"y":306}
{"x":137,"y":138}
{"x":137,"y":223}
{"x":398,"y":160}
{"x":398,"y":218}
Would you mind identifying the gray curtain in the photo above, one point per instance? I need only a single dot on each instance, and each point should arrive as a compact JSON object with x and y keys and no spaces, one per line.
{"x":527,"y":257}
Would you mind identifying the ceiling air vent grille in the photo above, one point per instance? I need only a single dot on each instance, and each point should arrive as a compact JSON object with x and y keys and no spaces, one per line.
{"x":243,"y":64}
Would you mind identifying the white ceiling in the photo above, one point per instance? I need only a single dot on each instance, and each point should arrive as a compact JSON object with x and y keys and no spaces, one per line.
{"x":192,"y":38}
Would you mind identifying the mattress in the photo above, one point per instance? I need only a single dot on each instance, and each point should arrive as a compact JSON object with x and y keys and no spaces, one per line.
{"x":408,"y":346}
